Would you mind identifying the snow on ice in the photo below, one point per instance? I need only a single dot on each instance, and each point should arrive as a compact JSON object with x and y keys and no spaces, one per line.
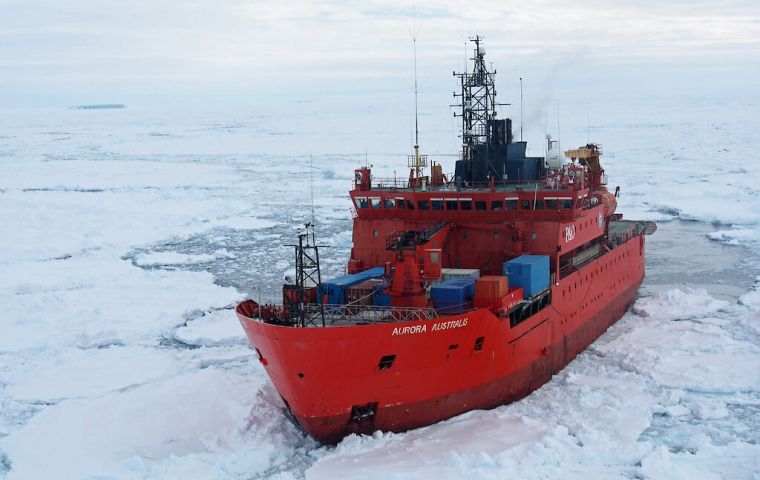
{"x":176,"y":258}
{"x":129,"y":234}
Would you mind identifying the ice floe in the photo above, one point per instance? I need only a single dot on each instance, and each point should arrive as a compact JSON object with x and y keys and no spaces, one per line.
{"x":149,"y":259}
{"x":216,"y":328}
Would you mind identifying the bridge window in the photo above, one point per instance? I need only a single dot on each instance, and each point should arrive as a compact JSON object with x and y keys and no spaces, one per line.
{"x":511,"y":204}
{"x":496,"y":205}
{"x":390,"y":203}
{"x":437,"y":204}
{"x":566,"y":203}
{"x":424,"y":205}
{"x":451,"y":205}
{"x":409,"y":205}
{"x":361,"y":202}
{"x":538,"y":204}
{"x":551,"y":204}
{"x":375,"y":202}
{"x":466,"y":204}
{"x":400,"y":203}
{"x":480,"y":206}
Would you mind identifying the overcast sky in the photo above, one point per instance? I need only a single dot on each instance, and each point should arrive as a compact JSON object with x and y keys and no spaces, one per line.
{"x":86,"y":50}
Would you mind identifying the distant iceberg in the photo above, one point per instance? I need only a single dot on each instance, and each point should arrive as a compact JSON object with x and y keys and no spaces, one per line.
{"x":99,"y":106}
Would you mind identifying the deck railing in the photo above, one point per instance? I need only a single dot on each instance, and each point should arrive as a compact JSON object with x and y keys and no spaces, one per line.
{"x":358,"y":314}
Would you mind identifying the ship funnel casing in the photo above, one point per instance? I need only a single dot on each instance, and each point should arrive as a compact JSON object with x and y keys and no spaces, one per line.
{"x":554,"y":158}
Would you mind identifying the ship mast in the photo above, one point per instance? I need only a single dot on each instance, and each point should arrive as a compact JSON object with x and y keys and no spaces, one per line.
{"x":416,"y":162}
{"x":477,"y":102}
{"x":307,"y":272}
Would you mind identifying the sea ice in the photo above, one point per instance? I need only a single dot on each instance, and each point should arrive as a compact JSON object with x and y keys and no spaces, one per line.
{"x":113,"y":366}
{"x":215,"y":328}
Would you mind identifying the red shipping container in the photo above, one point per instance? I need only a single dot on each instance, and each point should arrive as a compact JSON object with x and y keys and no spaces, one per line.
{"x":489,"y":291}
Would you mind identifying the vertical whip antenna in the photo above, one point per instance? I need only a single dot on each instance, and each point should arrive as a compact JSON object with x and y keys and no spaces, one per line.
{"x":311,"y":185}
{"x":559,"y":137}
{"x":521,"y":111}
{"x":416,"y":162}
{"x":416,"y":115}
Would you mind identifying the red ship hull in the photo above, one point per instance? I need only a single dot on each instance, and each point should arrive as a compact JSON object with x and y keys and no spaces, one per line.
{"x":327,"y":375}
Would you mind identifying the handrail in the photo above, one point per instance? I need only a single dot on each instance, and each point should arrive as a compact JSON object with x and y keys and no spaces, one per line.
{"x":392,"y":184}
{"x":371,"y":313}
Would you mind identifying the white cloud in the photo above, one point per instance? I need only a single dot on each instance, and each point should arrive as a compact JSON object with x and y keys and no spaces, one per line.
{"x":240,"y":46}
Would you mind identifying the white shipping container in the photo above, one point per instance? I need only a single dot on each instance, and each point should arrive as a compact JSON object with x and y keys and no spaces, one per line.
{"x":448,"y":273}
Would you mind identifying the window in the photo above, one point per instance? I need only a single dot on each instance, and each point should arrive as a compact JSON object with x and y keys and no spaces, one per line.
{"x":424,"y":205}
{"x":437,"y":204}
{"x":409,"y":205}
{"x":386,"y":362}
{"x":480,"y":206}
{"x":566,"y":203}
{"x":361,"y":202}
{"x":511,"y":204}
{"x":496,"y":205}
{"x":375,"y":202}
{"x":451,"y":205}
{"x":551,"y":204}
{"x":400,"y":203}
{"x":466,"y":203}
{"x":538,"y":204}
{"x":390,"y":203}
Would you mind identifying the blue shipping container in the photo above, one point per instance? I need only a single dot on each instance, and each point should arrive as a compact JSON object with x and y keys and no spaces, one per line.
{"x":379,"y":298}
{"x":455,"y":291}
{"x":334,"y":288}
{"x":529,"y":272}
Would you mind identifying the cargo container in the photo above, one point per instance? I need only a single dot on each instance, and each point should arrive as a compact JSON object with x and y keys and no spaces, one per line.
{"x":452,"y":293}
{"x":361,"y":294}
{"x":489,"y":290}
{"x":379,"y":297}
{"x":449,"y":273}
{"x":334,"y":289}
{"x":529,"y":272}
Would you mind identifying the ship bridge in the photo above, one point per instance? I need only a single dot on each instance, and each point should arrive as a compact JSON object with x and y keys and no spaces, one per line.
{"x":561,"y":195}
